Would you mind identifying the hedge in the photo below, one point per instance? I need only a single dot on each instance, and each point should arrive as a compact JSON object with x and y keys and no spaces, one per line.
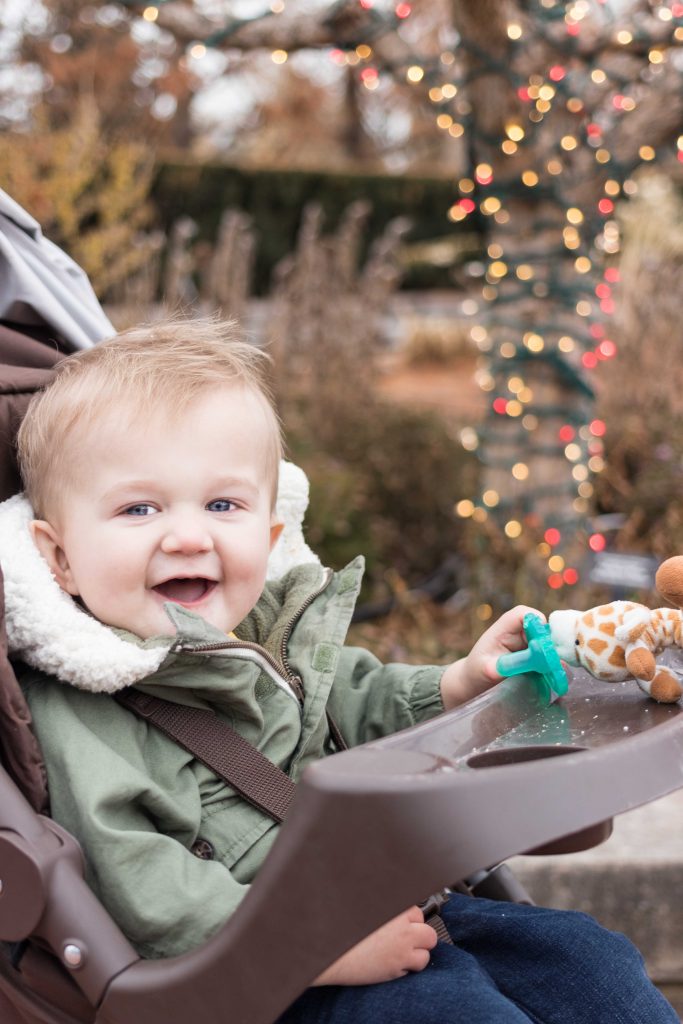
{"x":275,"y":200}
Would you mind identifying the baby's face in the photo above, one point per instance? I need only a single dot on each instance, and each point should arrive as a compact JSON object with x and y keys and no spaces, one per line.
{"x":174,"y":509}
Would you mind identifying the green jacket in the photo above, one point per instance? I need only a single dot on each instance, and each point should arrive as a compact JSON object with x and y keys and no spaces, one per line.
{"x":138,"y":802}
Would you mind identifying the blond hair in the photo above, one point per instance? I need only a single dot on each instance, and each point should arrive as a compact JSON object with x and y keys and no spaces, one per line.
{"x":154,"y":368}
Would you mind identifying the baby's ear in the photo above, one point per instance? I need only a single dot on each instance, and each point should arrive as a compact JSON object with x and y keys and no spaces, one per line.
{"x":275,"y":531}
{"x":49,"y":544}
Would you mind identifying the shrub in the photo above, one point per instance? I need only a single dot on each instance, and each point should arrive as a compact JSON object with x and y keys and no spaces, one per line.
{"x":384,"y":480}
{"x":89,"y":195}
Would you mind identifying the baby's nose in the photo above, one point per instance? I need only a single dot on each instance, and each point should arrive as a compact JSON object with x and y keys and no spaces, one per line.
{"x":186,"y":535}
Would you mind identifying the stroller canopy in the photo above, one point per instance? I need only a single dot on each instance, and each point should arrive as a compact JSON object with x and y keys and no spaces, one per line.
{"x":40,"y":286}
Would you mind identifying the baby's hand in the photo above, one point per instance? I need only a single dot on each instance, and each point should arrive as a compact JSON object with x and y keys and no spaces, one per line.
{"x":399,"y":946}
{"x":476,"y":673}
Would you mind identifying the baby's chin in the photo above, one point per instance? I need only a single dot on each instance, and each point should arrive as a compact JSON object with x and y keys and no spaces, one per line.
{"x":160,"y":624}
{"x":151,"y":620}
{"x":149,"y":628}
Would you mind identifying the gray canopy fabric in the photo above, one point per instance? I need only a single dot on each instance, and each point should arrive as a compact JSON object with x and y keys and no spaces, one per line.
{"x":41,"y":286}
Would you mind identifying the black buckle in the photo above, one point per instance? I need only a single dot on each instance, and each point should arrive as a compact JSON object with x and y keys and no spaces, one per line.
{"x":433,"y":904}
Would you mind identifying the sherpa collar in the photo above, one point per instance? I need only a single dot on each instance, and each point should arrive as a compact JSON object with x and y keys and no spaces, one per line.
{"x":48,"y":630}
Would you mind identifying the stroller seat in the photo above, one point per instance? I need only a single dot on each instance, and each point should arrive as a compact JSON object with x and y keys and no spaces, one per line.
{"x":371,"y":831}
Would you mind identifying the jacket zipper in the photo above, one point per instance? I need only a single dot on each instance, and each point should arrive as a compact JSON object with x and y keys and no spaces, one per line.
{"x":290,"y":626}
{"x":284,"y":670}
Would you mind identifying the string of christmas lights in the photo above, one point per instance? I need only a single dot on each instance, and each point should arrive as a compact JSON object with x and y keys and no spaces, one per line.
{"x":546,"y":187}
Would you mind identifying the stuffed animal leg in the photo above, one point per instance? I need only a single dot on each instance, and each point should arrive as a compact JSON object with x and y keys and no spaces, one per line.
{"x":621,"y":640}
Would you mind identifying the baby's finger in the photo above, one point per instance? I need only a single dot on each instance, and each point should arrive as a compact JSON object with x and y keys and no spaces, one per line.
{"x":414,"y":915}
{"x":511,"y":626}
{"x":427,"y":938}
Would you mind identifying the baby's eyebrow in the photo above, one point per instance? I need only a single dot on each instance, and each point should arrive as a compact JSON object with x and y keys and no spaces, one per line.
{"x":133,"y":488}
{"x":220,"y":487}
{"x":228,"y":483}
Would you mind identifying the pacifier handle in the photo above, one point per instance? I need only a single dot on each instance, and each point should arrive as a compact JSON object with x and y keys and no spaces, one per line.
{"x":540,"y":657}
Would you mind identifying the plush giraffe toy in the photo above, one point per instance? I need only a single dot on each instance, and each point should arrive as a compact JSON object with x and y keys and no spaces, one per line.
{"x":621,"y":640}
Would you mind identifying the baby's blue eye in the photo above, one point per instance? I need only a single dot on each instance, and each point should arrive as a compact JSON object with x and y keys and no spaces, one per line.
{"x":139,"y":510}
{"x":220,"y":505}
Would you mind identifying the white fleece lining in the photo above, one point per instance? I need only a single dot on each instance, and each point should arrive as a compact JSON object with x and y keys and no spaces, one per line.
{"x":48,"y":630}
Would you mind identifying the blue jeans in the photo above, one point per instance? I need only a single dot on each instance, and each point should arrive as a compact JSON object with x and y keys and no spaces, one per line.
{"x":510,"y":964}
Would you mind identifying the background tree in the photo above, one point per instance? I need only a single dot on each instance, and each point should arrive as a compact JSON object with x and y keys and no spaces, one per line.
{"x":137,"y":78}
{"x":78,"y":148}
{"x":565,"y":102}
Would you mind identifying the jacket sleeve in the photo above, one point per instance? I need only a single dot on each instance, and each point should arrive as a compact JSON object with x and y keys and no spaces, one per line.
{"x":369,"y":699}
{"x":136,"y":814}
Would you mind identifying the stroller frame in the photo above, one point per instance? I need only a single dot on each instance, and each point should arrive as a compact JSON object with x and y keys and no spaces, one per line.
{"x":434,"y":803}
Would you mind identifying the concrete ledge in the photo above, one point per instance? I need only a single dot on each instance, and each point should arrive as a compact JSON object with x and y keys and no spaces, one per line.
{"x":633,"y":883}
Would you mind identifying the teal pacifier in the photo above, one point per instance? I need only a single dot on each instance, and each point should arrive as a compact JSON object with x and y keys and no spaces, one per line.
{"x":540,"y":658}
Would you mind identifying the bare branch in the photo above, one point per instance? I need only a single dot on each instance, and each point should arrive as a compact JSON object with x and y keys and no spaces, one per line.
{"x":657,"y":118}
{"x":344,"y":25}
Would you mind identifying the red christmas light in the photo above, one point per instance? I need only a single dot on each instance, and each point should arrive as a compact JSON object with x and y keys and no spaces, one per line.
{"x":570,"y":576}
{"x":403,"y":10}
{"x":557,"y":73}
{"x":607,"y":349}
{"x":603,"y":291}
{"x":589,"y":360}
{"x":567,"y":433}
{"x":523,"y":94}
{"x":369,"y":74}
{"x":593,"y":129}
{"x":597,"y":542}
{"x":500,"y":406}
{"x":552,"y":536}
{"x":605,"y":206}
{"x":573,"y":30}
{"x":467,"y":205}
{"x":598,"y":428}
{"x":612,"y":275}
{"x":555,"y":581}
{"x":597,"y":331}
{"x":607,"y":306}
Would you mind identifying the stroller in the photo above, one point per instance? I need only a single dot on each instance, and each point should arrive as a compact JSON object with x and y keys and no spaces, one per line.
{"x":428,"y":808}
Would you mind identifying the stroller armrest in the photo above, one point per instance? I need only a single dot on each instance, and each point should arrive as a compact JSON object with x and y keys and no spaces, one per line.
{"x":43,"y":894}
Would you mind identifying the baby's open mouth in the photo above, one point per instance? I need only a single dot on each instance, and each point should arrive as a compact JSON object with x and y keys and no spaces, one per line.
{"x":185,"y":590}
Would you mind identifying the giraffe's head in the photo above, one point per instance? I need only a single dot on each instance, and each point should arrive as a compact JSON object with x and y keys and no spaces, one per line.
{"x":563,"y":630}
{"x":669,"y":580}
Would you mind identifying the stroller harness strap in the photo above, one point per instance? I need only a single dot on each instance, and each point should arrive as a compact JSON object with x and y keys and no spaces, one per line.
{"x":232,"y":758}
{"x":220,"y":748}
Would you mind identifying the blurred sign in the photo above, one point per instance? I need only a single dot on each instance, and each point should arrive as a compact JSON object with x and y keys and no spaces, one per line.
{"x":627,"y":572}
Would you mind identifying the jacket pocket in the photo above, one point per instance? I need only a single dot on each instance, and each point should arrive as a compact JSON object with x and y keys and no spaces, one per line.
{"x":235,"y":830}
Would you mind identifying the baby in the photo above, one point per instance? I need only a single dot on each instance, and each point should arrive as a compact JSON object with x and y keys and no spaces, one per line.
{"x":151,"y":464}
